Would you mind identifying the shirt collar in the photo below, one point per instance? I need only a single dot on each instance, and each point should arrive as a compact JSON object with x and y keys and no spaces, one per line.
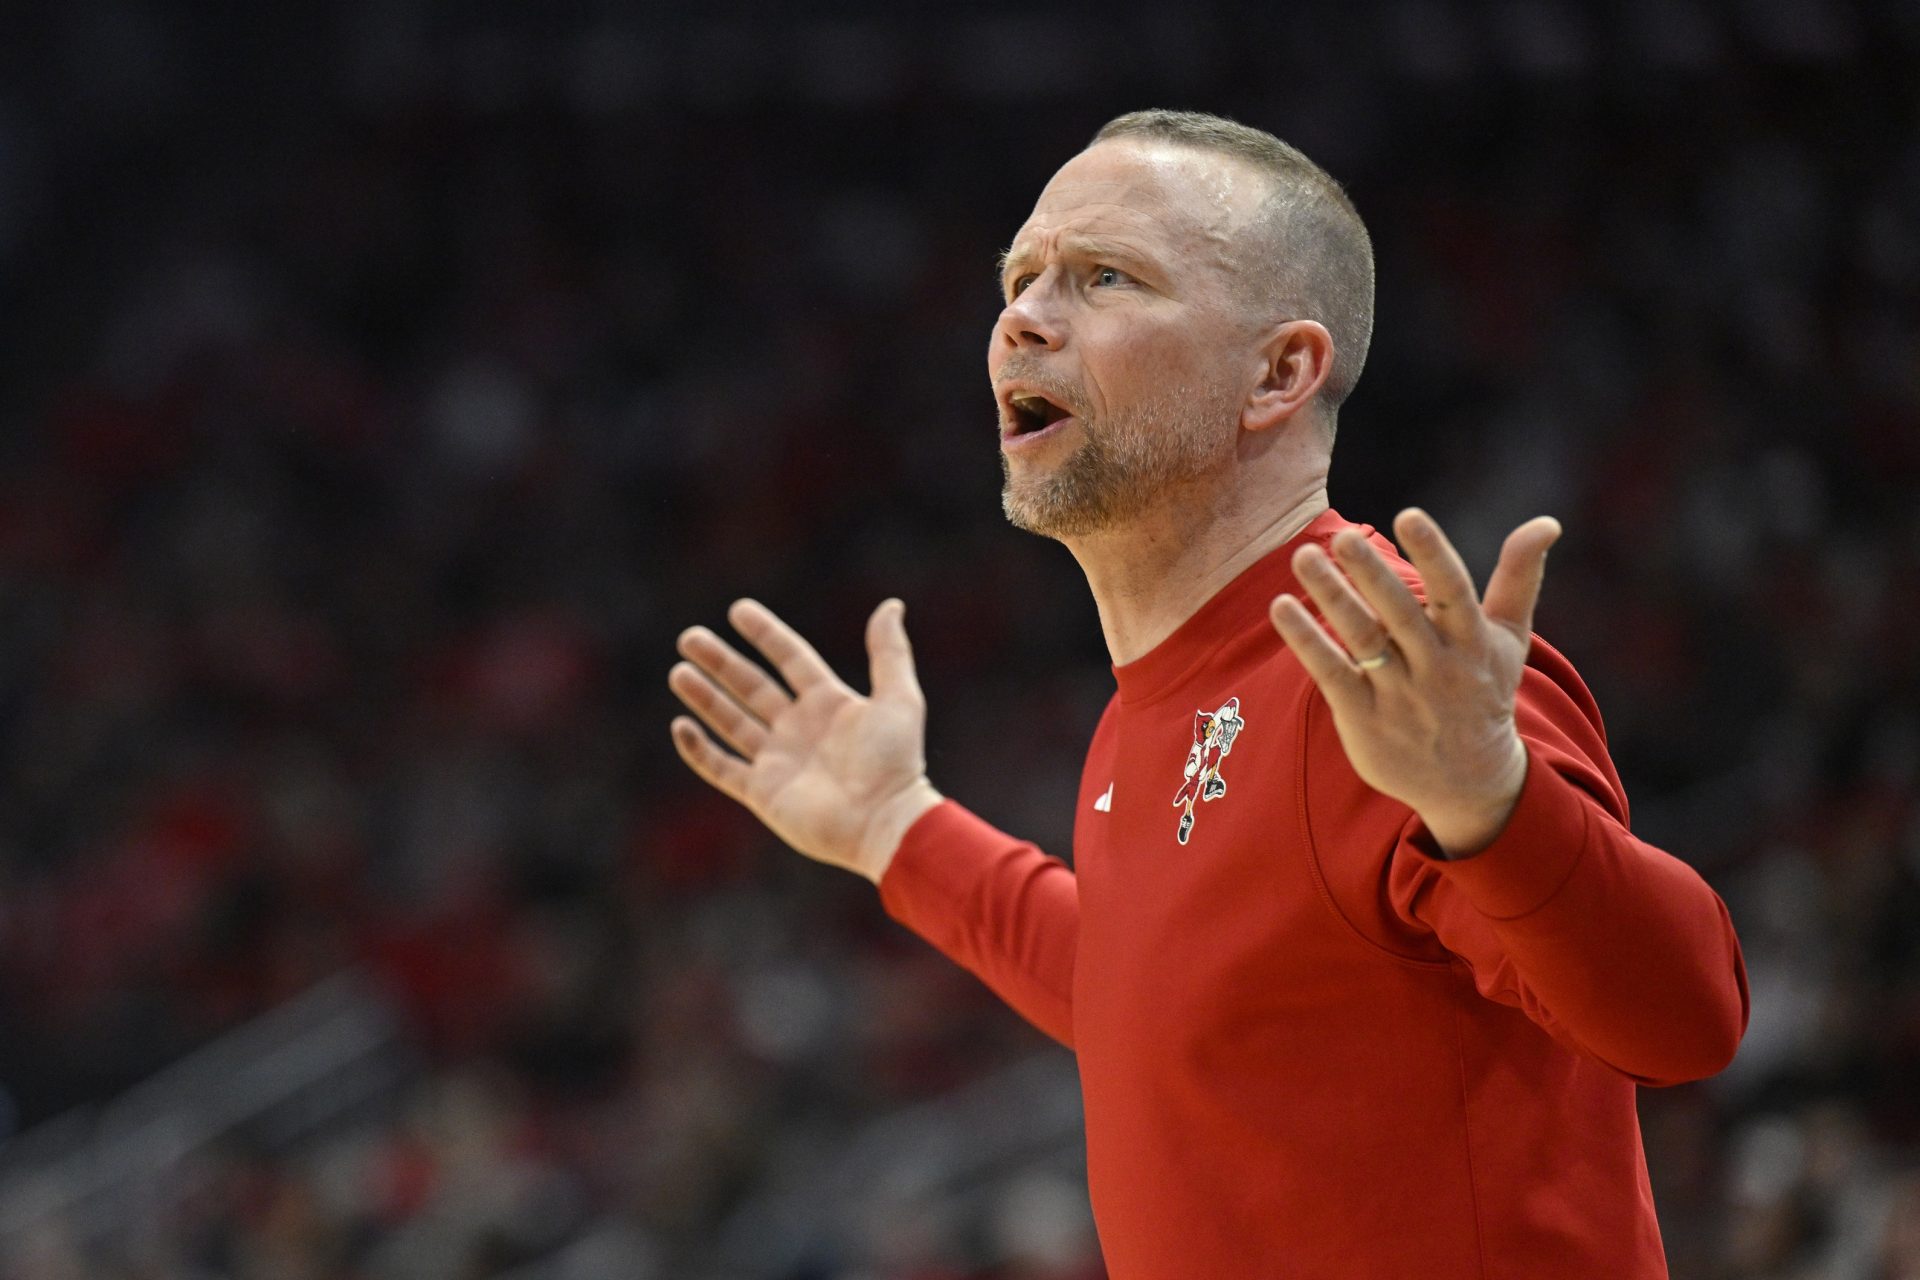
{"x":1228,"y":613}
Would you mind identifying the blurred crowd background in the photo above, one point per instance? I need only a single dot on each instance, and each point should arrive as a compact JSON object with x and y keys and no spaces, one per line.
{"x":384,"y":384}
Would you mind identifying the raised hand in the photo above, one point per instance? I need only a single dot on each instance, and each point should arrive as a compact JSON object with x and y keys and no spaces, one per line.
{"x":838,"y":776}
{"x":1423,"y":696}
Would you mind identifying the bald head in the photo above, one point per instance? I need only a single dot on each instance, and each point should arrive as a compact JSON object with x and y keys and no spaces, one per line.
{"x":1302,"y":252}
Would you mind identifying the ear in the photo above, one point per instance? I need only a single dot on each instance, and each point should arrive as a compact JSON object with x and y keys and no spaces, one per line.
{"x":1294,"y":362}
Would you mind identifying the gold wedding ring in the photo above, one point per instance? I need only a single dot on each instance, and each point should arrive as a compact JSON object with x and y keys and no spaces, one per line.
{"x":1375,"y":661}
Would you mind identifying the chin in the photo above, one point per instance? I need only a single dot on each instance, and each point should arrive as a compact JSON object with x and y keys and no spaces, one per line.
{"x":1054,"y":510}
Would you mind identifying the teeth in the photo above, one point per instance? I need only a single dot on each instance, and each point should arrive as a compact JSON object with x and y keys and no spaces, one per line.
{"x":1031,"y":404}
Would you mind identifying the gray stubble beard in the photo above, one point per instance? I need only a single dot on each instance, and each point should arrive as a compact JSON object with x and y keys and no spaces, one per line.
{"x":1101,"y":485}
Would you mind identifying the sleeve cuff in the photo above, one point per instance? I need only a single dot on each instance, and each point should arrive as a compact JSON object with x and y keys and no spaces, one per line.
{"x":1532,"y":857}
{"x":939,"y":864}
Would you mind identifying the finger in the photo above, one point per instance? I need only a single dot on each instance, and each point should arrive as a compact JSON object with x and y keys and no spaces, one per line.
{"x":796,"y":660}
{"x":890,"y":654}
{"x":1398,"y":609}
{"x":726,"y":774}
{"x":1339,"y":680}
{"x":1452,"y":603}
{"x":1346,"y":613}
{"x":1514,"y":588}
{"x":741,"y":677}
{"x":720,"y":713}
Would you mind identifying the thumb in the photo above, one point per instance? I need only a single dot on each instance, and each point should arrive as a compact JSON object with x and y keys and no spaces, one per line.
{"x":890,"y":654}
{"x":1515,"y":586}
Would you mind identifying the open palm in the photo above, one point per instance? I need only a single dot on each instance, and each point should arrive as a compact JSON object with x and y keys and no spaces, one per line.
{"x":828,"y":770}
{"x":1422,"y":692}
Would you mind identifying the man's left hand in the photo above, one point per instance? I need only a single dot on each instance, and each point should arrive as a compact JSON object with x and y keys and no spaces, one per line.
{"x":1423,"y":695}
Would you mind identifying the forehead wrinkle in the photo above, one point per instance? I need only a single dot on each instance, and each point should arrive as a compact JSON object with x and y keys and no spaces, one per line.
{"x":1230,"y":193}
{"x":1185,"y":205}
{"x":1116,"y":227}
{"x":1069,"y":238}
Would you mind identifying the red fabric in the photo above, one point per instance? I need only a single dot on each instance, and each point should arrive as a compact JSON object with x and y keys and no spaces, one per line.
{"x":1308,"y":1046}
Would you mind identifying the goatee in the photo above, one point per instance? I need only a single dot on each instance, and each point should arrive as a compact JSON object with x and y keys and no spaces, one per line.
{"x":1120,"y":468}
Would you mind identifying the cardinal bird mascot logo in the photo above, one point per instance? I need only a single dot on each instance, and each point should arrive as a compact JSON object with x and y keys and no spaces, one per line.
{"x":1213,"y":735}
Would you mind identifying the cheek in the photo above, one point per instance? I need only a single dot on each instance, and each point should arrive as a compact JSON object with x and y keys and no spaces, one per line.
{"x":1150,"y":364}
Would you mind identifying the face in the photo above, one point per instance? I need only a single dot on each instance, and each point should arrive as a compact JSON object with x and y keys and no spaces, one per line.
{"x":1121,"y":360}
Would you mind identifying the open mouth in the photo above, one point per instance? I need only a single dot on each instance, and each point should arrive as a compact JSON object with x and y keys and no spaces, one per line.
{"x":1032,"y":413}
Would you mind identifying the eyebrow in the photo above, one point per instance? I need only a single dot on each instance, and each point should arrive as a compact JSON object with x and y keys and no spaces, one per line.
{"x":1073,"y":246}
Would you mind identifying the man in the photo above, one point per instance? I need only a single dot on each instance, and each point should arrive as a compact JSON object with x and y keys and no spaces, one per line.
{"x":1358,"y":957}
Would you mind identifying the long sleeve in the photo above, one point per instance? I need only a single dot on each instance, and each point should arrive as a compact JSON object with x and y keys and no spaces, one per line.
{"x":1616,"y":948}
{"x":996,"y":906}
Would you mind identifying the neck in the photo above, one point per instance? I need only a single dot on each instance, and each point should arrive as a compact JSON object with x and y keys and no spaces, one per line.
{"x":1155,"y":573}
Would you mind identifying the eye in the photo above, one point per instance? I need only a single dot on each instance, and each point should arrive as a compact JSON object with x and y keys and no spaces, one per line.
{"x":1019,"y":285}
{"x":1109,"y":276}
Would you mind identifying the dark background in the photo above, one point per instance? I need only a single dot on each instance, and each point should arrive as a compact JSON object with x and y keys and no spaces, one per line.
{"x":384,"y":385}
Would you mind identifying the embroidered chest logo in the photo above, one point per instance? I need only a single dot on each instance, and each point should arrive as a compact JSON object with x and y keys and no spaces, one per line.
{"x":1213,"y":735}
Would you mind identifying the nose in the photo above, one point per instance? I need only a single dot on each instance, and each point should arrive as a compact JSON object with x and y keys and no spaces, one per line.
{"x":1030,"y":321}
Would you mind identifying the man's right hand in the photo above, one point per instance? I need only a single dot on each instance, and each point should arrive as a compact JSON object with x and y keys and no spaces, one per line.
{"x":838,"y":776}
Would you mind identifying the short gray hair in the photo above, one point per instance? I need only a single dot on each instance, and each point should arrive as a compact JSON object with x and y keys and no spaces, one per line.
{"x":1317,"y":259}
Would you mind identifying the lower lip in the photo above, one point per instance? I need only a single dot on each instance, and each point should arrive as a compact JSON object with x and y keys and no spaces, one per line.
{"x":1034,"y":439}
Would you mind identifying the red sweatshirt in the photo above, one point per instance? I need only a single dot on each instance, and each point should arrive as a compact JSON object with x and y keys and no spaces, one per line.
{"x":1309,"y":1046}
